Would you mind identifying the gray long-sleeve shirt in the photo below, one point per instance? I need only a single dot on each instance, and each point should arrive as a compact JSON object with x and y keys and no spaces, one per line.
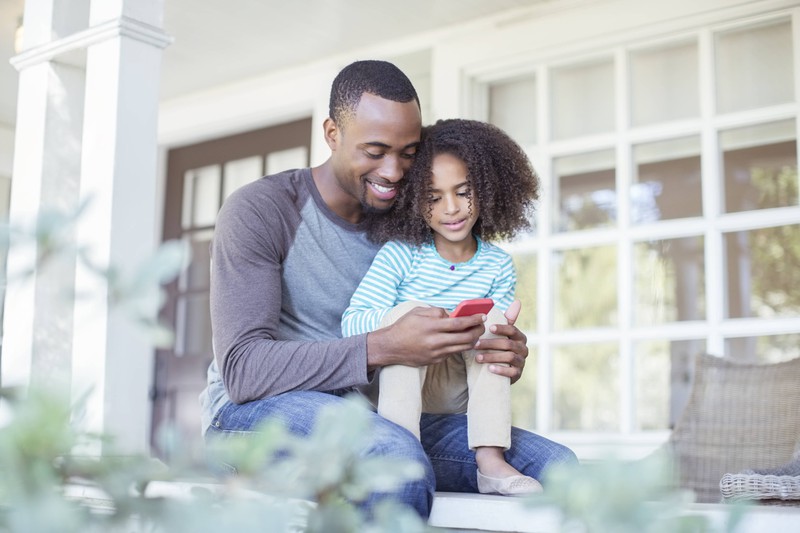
{"x":283,"y":269}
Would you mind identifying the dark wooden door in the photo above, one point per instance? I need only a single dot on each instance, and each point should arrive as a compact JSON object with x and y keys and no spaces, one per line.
{"x":199,"y":178}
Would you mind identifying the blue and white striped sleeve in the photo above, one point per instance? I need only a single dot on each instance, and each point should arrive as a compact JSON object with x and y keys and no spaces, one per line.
{"x":505,"y":283}
{"x":377,"y":292}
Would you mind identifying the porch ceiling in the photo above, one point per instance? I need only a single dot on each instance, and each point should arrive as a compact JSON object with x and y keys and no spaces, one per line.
{"x":216,"y":43}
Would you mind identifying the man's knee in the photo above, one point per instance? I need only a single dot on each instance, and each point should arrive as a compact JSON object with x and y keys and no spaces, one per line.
{"x":393,"y":442}
{"x":562,"y":454}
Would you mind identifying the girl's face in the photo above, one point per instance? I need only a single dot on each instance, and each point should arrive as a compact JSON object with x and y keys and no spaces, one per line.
{"x":453,"y":206}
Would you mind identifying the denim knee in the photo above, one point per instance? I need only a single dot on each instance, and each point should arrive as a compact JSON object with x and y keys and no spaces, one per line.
{"x":395,"y":442}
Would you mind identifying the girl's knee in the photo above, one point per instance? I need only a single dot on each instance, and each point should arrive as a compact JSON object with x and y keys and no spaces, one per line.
{"x":495,"y":316}
{"x":399,"y":310}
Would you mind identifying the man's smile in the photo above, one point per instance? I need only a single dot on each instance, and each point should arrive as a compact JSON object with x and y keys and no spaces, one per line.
{"x":385,"y":191}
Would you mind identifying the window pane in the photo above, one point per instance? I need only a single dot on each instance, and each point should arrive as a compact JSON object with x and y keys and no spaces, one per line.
{"x":583,"y":99}
{"x":201,"y":199}
{"x":526,"y":265}
{"x":586,"y":387}
{"x":523,"y":394}
{"x":666,"y":180}
{"x":287,"y":159}
{"x":663,"y":375}
{"x":754,"y":67}
{"x":241,"y":172}
{"x":198,"y":274}
{"x":512,"y":108}
{"x":652,"y":376}
{"x":664,"y":84}
{"x":193,"y":326}
{"x":669,"y":281}
{"x":579,"y":273}
{"x":766,"y":349}
{"x":587,"y":196}
{"x":763,"y":268}
{"x":760,"y":165}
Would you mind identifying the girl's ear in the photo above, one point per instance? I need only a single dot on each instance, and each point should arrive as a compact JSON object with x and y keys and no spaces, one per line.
{"x":331,"y":133}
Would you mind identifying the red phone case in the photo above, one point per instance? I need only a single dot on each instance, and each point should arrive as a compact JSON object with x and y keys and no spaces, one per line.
{"x":473,"y":307}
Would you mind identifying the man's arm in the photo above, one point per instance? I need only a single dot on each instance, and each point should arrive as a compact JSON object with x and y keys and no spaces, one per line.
{"x":246,"y":294}
{"x":426,"y":336}
{"x":423,"y":336}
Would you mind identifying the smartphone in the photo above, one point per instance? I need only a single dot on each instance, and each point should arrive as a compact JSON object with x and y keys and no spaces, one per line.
{"x":473,"y":307}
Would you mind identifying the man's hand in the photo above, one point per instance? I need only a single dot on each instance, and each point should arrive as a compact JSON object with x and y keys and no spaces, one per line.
{"x":511,"y":348}
{"x":423,"y":336}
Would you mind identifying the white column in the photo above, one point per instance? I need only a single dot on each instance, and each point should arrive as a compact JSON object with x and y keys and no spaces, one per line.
{"x":38,"y":311}
{"x":112,"y":358}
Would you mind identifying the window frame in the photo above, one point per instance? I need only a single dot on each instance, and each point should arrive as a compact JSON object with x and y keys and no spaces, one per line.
{"x":712,"y":226}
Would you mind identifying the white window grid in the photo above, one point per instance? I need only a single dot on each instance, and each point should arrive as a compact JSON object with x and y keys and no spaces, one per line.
{"x":712,"y":225}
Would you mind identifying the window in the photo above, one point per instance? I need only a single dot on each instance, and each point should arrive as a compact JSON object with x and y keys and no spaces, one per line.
{"x":670,"y":223}
{"x":582,"y":99}
{"x":664,"y":83}
{"x":754,"y":66}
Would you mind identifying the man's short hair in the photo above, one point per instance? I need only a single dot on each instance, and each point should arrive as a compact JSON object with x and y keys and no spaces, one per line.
{"x":380,"y":78}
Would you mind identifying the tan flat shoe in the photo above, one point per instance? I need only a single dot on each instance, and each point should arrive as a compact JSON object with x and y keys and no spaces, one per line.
{"x":508,"y":486}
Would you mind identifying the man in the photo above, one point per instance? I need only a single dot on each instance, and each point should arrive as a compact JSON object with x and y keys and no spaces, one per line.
{"x":288,"y":252}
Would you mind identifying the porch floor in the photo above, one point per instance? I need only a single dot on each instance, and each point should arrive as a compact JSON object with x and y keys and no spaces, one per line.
{"x":486,"y":513}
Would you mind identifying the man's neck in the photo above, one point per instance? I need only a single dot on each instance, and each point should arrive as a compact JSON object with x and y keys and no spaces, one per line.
{"x":338,"y":200}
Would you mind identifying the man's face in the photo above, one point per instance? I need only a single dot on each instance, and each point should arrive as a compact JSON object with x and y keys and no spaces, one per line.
{"x":374,"y":149}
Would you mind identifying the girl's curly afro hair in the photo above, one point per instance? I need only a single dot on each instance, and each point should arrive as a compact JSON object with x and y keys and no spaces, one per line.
{"x":501,"y":176}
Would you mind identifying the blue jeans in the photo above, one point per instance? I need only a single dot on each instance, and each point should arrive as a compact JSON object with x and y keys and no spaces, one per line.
{"x":448,"y":462}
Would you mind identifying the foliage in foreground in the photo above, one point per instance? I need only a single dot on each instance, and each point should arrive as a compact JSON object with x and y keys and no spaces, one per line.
{"x":285,"y":484}
{"x":315,"y":487}
{"x":626,"y":497}
{"x":312,"y":487}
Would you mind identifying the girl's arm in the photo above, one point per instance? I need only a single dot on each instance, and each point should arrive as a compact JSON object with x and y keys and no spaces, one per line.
{"x":377,"y":292}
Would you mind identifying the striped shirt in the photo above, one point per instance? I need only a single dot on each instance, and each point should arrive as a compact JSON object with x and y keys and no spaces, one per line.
{"x":400,"y":273}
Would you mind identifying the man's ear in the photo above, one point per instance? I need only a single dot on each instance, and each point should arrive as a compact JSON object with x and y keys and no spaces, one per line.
{"x":332,"y":133}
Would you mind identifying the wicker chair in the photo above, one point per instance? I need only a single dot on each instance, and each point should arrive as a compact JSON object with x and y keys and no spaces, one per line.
{"x":772,"y":486}
{"x":739,"y":416}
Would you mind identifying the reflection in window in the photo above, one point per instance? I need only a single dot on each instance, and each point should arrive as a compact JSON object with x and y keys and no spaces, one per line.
{"x":241,"y":172}
{"x":666,"y":182}
{"x":586,"y":288}
{"x":760,"y":166}
{"x":290,"y":158}
{"x":669,"y":281}
{"x":586,"y":387}
{"x":664,"y":83}
{"x":523,"y":394}
{"x":587,"y":196}
{"x":193,"y":326}
{"x":755,"y":67}
{"x":198,"y":273}
{"x":582,"y":99}
{"x":526,"y":266}
{"x":201,"y":199}
{"x":512,"y":108}
{"x":766,"y":349}
{"x":652,"y":375}
{"x":663,"y":375}
{"x":763,"y":267}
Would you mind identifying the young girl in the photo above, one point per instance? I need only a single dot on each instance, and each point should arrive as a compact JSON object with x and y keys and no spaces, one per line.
{"x":470,"y":183}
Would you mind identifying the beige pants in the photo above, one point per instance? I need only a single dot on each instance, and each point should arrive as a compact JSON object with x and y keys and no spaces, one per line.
{"x":457,"y":385}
